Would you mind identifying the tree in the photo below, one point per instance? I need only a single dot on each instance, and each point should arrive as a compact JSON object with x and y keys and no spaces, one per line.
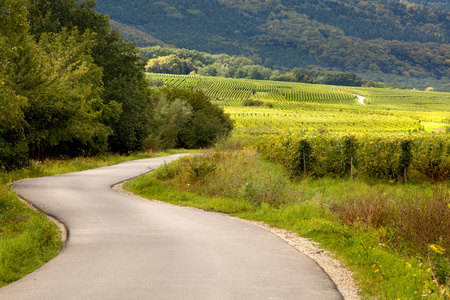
{"x":53,"y":88}
{"x":169,"y":119}
{"x":13,"y":38}
{"x":52,"y":16}
{"x":62,"y":86}
{"x":170,"y":64}
{"x":206,"y":124}
{"x":70,"y":108}
{"x":124,"y":82}
{"x":123,"y":77}
{"x":346,"y":79}
{"x":13,"y":147}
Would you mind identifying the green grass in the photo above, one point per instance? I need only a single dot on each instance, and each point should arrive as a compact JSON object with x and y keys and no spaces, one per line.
{"x":27,"y":238}
{"x":354,"y":219}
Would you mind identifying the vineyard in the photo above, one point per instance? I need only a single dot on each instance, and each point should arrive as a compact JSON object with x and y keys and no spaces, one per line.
{"x":231,"y":92}
{"x":271,"y":107}
{"x":390,"y":157}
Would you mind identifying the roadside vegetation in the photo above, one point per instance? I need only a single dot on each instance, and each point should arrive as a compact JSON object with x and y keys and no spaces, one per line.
{"x":392,"y":236}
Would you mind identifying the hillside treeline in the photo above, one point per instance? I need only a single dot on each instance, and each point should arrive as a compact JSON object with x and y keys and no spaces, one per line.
{"x":183,"y":61}
{"x":70,"y":86}
{"x":382,"y":36}
{"x":440,"y":4}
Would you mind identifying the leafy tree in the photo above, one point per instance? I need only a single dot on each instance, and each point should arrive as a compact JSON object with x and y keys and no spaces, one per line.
{"x":169,"y":64}
{"x":347,"y":79}
{"x":206,"y":124}
{"x":282,"y":76}
{"x":13,"y":147}
{"x":13,"y":40}
{"x":123,"y":78}
{"x":71,"y":109}
{"x":62,"y":86}
{"x":210,"y":70}
{"x":257,"y":72}
{"x":124,"y":82}
{"x":52,"y":16}
{"x":169,"y":119}
{"x":198,"y":59}
{"x":305,"y":76}
{"x":51,"y":90}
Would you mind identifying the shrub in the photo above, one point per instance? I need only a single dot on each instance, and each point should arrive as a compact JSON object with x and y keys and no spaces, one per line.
{"x":250,"y":102}
{"x":205,"y":125}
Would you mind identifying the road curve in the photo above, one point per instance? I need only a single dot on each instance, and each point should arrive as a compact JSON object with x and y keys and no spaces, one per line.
{"x":123,"y":247}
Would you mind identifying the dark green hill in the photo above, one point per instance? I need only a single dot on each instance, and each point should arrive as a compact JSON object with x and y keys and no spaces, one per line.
{"x":376,"y":37}
{"x":441,"y":4}
{"x":133,"y":34}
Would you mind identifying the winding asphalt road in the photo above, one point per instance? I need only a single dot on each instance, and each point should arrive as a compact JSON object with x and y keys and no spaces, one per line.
{"x":123,"y":247}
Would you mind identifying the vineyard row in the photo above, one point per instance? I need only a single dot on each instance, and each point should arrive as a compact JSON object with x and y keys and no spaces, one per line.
{"x":386,"y":157}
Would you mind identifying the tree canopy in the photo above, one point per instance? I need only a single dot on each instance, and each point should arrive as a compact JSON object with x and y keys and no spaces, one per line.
{"x":123,"y":78}
{"x":183,"y":61}
{"x":194,"y":122}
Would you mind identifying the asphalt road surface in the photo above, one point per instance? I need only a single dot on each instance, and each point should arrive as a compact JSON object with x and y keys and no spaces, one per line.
{"x":122,"y":247}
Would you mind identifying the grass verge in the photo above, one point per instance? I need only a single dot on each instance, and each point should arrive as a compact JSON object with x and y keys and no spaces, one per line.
{"x":370,"y":226}
{"x":27,"y":238}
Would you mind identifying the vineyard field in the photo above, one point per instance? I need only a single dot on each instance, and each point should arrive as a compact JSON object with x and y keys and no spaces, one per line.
{"x":273,"y":107}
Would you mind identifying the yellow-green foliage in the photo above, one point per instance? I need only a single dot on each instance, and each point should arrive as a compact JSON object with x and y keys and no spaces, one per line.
{"x":388,"y":157}
{"x":286,"y":95}
{"x":272,"y":107}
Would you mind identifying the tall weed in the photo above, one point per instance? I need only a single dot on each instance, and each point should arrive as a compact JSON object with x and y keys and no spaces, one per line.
{"x":235,"y":174}
{"x":372,"y":209}
{"x":422,"y":221}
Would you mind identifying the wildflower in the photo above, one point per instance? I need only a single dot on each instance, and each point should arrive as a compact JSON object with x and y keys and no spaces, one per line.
{"x":436,"y":248}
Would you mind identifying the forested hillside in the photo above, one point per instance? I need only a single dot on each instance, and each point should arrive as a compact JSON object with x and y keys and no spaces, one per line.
{"x":136,"y":35}
{"x":374,"y":37}
{"x":441,"y":4}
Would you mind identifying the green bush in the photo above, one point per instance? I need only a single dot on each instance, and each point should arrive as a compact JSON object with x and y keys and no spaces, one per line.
{"x":205,"y":125}
{"x":13,"y":154}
